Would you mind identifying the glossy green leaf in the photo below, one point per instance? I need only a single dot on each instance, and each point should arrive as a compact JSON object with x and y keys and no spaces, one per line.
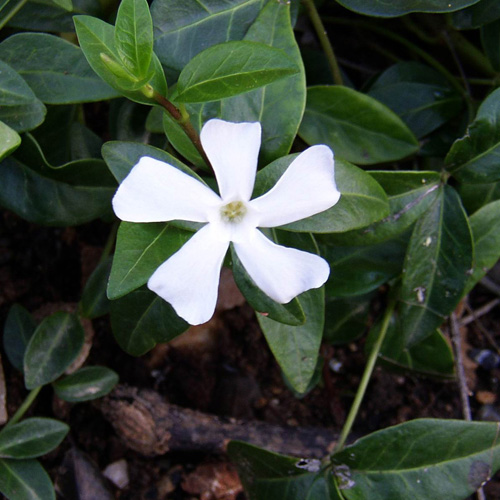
{"x":269,"y":476}
{"x":121,"y":156}
{"x":418,"y":94}
{"x":363,"y":201}
{"x":410,"y":194}
{"x":65,"y":4}
{"x":475,"y":16}
{"x":25,"y":480}
{"x":449,"y":459}
{"x":359,"y":270}
{"x":346,"y":319}
{"x":485,"y":226}
{"x":18,"y":330}
{"x":90,"y":382}
{"x":232,"y":68}
{"x":266,"y":104}
{"x":395,"y":8}
{"x":33,"y":437}
{"x":431,"y":357}
{"x":134,"y":36}
{"x":141,"y":319}
{"x":140,"y":250}
{"x":475,"y":196}
{"x":32,"y":196}
{"x":474,"y":157}
{"x":94,"y":302}
{"x":9,"y":140}
{"x":56,"y":70}
{"x":53,"y":347}
{"x":96,"y":39}
{"x":437,"y":266}
{"x":296,"y":347}
{"x":289,"y":314}
{"x":356,"y":126}
{"x":13,"y":89}
{"x":23,"y":117}
{"x":490,"y":39}
{"x":183,"y":28}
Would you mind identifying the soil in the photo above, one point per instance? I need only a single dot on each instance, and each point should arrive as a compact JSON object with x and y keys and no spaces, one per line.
{"x":223,"y":369}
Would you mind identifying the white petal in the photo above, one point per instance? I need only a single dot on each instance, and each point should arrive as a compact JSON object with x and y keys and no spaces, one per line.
{"x":155,"y":191}
{"x":280,"y":272}
{"x":306,"y":188}
{"x":189,"y":279}
{"x":233,"y":150}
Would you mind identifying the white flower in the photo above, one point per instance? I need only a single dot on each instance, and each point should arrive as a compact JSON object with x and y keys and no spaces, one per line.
{"x":155,"y":191}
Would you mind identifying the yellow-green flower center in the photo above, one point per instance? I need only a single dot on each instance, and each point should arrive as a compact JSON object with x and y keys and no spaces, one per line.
{"x":234,"y":211}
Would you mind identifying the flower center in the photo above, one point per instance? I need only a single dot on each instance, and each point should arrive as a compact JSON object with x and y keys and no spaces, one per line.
{"x":233,"y":212}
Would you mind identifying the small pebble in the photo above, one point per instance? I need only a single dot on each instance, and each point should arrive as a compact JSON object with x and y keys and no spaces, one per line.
{"x":488,"y":413}
{"x":485,"y":358}
{"x":117,"y":473}
{"x":486,"y":397}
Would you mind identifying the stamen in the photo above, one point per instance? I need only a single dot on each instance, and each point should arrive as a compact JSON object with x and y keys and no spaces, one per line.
{"x":234,"y":211}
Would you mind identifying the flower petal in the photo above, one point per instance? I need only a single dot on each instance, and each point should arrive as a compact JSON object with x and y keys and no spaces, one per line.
{"x":280,"y":272}
{"x":155,"y":191}
{"x":233,"y":150}
{"x":189,"y":279}
{"x":306,"y":188}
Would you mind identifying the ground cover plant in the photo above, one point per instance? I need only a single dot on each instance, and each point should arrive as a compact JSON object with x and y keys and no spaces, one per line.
{"x":340,"y":157}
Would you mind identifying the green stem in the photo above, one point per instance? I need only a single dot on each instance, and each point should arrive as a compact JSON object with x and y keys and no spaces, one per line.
{"x":12,"y":13}
{"x":109,"y":242}
{"x":370,"y":365}
{"x":319,"y":27}
{"x":412,"y":47}
{"x":182,"y":118}
{"x":24,"y":407}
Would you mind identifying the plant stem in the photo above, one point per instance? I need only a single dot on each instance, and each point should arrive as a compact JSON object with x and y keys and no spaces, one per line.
{"x":109,"y":242}
{"x":370,"y":365}
{"x":182,"y":118}
{"x":319,"y":27}
{"x":12,"y":13}
{"x":24,"y":407}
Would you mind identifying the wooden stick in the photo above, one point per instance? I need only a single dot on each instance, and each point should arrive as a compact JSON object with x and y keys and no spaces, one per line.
{"x":151,"y":426}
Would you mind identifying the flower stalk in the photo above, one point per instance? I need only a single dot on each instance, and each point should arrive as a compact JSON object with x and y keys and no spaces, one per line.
{"x":365,"y":380}
{"x":24,"y":407}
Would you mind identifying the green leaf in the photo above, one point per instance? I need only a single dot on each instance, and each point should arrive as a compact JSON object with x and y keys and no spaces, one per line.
{"x":437,"y":266}
{"x":410,"y":195}
{"x":53,"y":347}
{"x":296,"y":347}
{"x":22,"y":117}
{"x":395,"y":8}
{"x":65,"y":4}
{"x":141,"y":319}
{"x":25,"y":480}
{"x":438,"y":466}
{"x":55,"y":69}
{"x":266,"y":104}
{"x":490,"y":40}
{"x":97,"y":42}
{"x":363,"y":201}
{"x":475,"y":196}
{"x":473,"y":158}
{"x":232,"y":68}
{"x":475,"y":16}
{"x":431,"y":357}
{"x":18,"y":330}
{"x":419,"y":95}
{"x":356,"y":126}
{"x":485,"y":226}
{"x":346,"y":319}
{"x":90,"y":382}
{"x":183,"y":28}
{"x":269,"y":476}
{"x":33,"y":437}
{"x":140,"y":250}
{"x":9,"y":140}
{"x":121,"y":156}
{"x":359,"y":270}
{"x":13,"y":89}
{"x":94,"y":302}
{"x":289,"y":314}
{"x":33,"y":196}
{"x":134,"y":36}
